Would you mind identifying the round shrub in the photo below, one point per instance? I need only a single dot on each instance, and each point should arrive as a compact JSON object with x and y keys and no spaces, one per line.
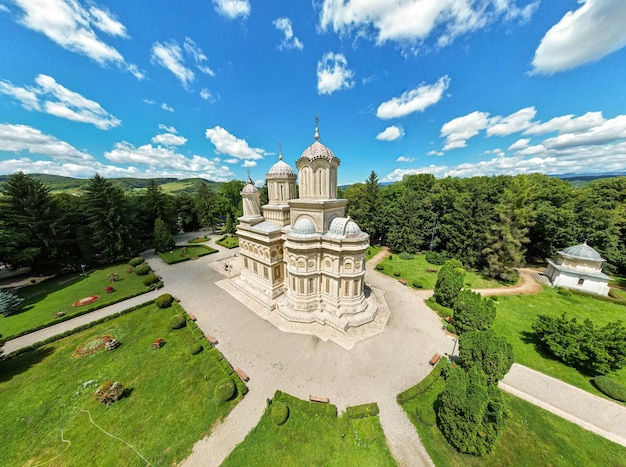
{"x":164,"y":301}
{"x":610,"y":387}
{"x":390,"y":257}
{"x":136,"y":261}
{"x":142,"y":269}
{"x":380,"y":267}
{"x":178,"y":322}
{"x":405,"y":255}
{"x":150,"y":279}
{"x":279,"y":413}
{"x":418,"y":284}
{"x":435,"y":258}
{"x":225,"y":390}
{"x":396,"y":273}
{"x":564,"y":292}
{"x":450,"y":328}
{"x":195,"y":348}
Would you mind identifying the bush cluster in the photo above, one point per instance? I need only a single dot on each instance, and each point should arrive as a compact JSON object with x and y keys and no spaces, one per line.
{"x":406,"y":255}
{"x":279,"y":412}
{"x":611,"y":388}
{"x":142,"y":269}
{"x":362,"y":411}
{"x":433,"y":257}
{"x":591,"y":349}
{"x":150,"y":279}
{"x":564,"y":292}
{"x":164,"y":301}
{"x":195,"y":348}
{"x":418,"y":284}
{"x":472,"y":312}
{"x":396,"y":273}
{"x":136,"y":261}
{"x":178,"y":322}
{"x":380,"y":267}
{"x":224,"y":390}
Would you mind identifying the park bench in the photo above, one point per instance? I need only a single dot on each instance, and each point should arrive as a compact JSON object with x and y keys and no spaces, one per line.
{"x":176,"y":299}
{"x":402,"y":281}
{"x":157,"y":344}
{"x":191,"y":317}
{"x":434,"y":359}
{"x":323,"y":400}
{"x":112,"y":344}
{"x":212,"y":340}
{"x":244,"y":377}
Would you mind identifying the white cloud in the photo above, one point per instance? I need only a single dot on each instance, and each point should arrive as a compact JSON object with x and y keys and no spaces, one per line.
{"x":519,"y":144}
{"x":206,"y":95}
{"x":459,"y":130}
{"x":333,"y":74}
{"x":249,"y":163}
{"x":21,"y":138}
{"x":232,"y":160}
{"x":405,"y":159}
{"x":71,"y":26}
{"x":593,"y":31}
{"x":232,"y":8}
{"x":230,"y":145}
{"x":390,"y":133}
{"x":192,"y":50}
{"x":169,"y":139}
{"x":169,"y":129}
{"x":414,"y":21}
{"x":170,"y":56}
{"x":434,"y":153}
{"x":516,"y":122}
{"x":50,"y":97}
{"x":606,"y":132}
{"x":289,"y":40}
{"x":566,"y":124}
{"x":415,"y":100}
{"x":164,"y":106}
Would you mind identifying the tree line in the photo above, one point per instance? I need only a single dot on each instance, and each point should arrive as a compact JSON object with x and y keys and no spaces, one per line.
{"x":59,"y":232}
{"x":493,"y":223}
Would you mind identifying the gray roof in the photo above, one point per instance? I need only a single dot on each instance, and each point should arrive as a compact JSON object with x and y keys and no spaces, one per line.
{"x":267,"y":227}
{"x":582,"y":251}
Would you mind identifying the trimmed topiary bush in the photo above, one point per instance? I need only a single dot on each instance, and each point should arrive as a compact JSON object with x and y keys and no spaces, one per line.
{"x":164,"y":301}
{"x":390,"y":257}
{"x":610,"y":387}
{"x":150,"y":279}
{"x":418,"y":284}
{"x":433,"y":257}
{"x":136,"y":261}
{"x":196,"y":348}
{"x":279,"y":413}
{"x":362,"y":411}
{"x":225,"y":390}
{"x":396,"y":273}
{"x":405,"y":255}
{"x":142,"y":269}
{"x":178,"y":322}
{"x":380,"y":267}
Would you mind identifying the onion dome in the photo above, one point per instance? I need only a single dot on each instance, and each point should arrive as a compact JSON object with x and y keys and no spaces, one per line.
{"x":281,"y":169}
{"x":303,"y":226}
{"x":582,"y":251}
{"x":317,"y":150}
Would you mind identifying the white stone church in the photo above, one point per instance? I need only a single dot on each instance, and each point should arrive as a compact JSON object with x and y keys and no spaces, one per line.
{"x":300,"y":256}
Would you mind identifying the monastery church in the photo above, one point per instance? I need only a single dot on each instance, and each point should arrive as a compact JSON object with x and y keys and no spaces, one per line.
{"x":300,"y":256}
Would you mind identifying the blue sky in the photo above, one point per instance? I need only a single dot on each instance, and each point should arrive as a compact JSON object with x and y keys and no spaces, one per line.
{"x":211,"y":88}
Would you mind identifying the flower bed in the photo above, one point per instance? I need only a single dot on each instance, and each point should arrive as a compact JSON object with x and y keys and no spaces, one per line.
{"x":92,"y":346}
{"x":86,"y":300}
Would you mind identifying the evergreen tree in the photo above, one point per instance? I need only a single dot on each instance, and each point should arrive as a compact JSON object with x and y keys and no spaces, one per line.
{"x":163,"y":239}
{"x":371,"y":220}
{"x":109,"y":221}
{"x":207,"y":206}
{"x":158,"y":206}
{"x":472,"y":312}
{"x":187,"y":213}
{"x":449,"y":283}
{"x":9,"y":303}
{"x":488,"y":351}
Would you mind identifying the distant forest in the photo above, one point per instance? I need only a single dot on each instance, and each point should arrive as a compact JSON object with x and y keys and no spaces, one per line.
{"x":493,"y":224}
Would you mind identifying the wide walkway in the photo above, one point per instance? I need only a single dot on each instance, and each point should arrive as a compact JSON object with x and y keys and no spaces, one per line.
{"x":375,"y":369}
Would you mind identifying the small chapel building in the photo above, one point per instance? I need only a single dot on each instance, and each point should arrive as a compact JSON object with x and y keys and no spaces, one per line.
{"x":579,"y":267}
{"x":300,"y":256}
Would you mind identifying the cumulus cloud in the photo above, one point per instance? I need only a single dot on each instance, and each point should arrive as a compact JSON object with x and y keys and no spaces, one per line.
{"x":50,"y":97}
{"x":566,"y":124}
{"x":230,"y":145}
{"x":593,"y":31}
{"x":414,"y":21}
{"x":289,"y":40}
{"x":390,"y":133}
{"x":516,"y":122}
{"x":459,"y":130}
{"x":169,"y":139}
{"x":519,"y":144}
{"x":249,"y":163}
{"x":232,"y":9}
{"x":414,"y":100}
{"x":22,"y":138}
{"x":73,"y":27}
{"x":405,"y":159}
{"x":333,"y":74}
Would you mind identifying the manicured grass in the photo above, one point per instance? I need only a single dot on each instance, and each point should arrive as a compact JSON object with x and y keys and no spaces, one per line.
{"x":185,"y":253}
{"x":168,"y":404}
{"x":199,"y":240}
{"x":306,"y":439}
{"x":516,"y":313}
{"x":228,"y":241}
{"x":58,"y":294}
{"x":620,"y":293}
{"x":372,"y":250}
{"x":532,"y":436}
{"x":419,"y":269}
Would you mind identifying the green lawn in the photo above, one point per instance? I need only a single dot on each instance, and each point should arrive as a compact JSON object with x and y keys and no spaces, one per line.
{"x":532,"y":437}
{"x":199,"y":240}
{"x":372,"y":250}
{"x":58,"y":294}
{"x":228,"y":241}
{"x":319,"y":440}
{"x":185,"y":253}
{"x":516,"y":313}
{"x":419,"y":269}
{"x":168,"y":407}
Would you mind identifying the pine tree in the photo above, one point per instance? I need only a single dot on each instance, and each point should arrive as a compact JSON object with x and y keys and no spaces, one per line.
{"x":163,"y":239}
{"x":472,"y":312}
{"x":9,"y":303}
{"x":449,"y":283}
{"x":488,"y":351}
{"x":207,"y":206}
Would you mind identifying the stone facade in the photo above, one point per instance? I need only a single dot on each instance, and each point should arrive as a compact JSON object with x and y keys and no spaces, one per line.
{"x":579,"y":267}
{"x":303,"y":259}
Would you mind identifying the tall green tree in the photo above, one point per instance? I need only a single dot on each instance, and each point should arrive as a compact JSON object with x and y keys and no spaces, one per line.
{"x":163,"y":238}
{"x":158,"y":205}
{"x":449,"y":283}
{"x":187,"y":213}
{"x":488,"y":351}
{"x":109,"y":222}
{"x":371,"y":222}
{"x":208,"y":206}
{"x":472,"y":312}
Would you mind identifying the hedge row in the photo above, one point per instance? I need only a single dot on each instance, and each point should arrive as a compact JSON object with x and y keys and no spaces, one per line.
{"x":311,"y":408}
{"x":598,"y":297}
{"x":181,"y":259}
{"x":610,"y":387}
{"x":69,"y":332}
{"x":422,"y":386}
{"x":220,"y":241}
{"x":362,"y":411}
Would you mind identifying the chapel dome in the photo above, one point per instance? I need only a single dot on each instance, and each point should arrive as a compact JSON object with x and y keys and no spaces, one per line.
{"x":281,"y":169}
{"x":352,"y":230}
{"x":343,"y":227}
{"x":318,"y":151}
{"x":303,"y":226}
{"x":582,"y":251}
{"x":249,"y":188}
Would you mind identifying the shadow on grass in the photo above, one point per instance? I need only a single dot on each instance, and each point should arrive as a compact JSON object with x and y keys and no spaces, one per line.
{"x":14,"y":366}
{"x":531,"y":338}
{"x":38,"y":292}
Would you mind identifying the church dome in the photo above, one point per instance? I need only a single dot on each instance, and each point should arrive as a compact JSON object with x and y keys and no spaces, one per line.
{"x":343,"y":227}
{"x":281,"y":169}
{"x":249,"y":188}
{"x":352,"y":230}
{"x":582,"y":251}
{"x":318,"y":151}
{"x":303,"y":226}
